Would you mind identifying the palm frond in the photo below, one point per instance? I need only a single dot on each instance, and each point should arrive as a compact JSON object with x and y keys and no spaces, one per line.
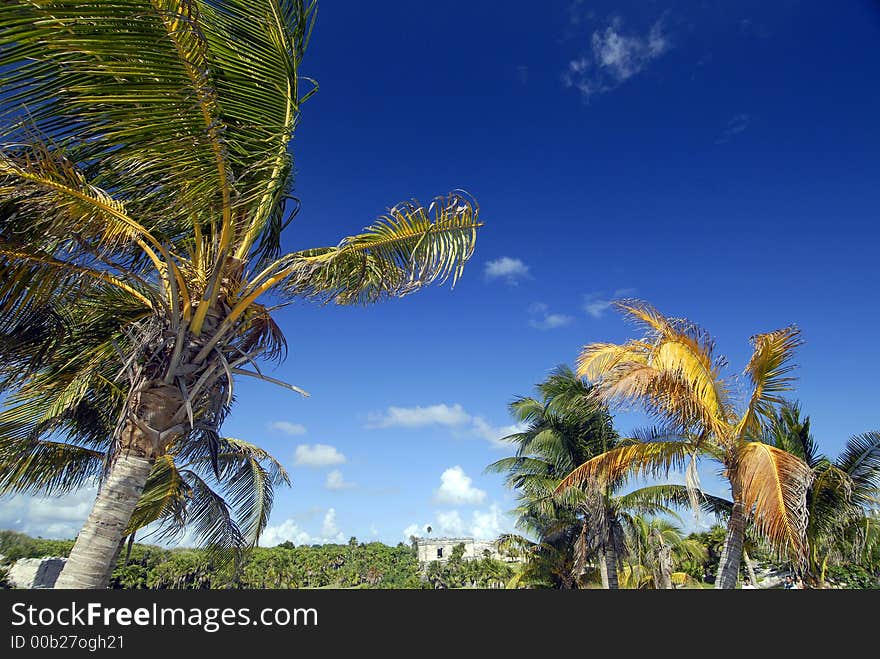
{"x":768,"y":370}
{"x":410,"y":247}
{"x":649,"y":459}
{"x":164,"y":498}
{"x":773,"y":485}
{"x":42,"y":467}
{"x":861,"y":460}
{"x":654,"y":499}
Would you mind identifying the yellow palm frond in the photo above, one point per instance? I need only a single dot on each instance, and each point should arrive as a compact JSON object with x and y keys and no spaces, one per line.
{"x":773,"y":487}
{"x":639,"y":459}
{"x":768,"y":369}
{"x":644,"y":314}
{"x":598,"y":359}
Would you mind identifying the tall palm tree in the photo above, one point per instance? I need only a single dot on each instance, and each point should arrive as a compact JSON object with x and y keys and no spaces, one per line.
{"x":69,"y":447}
{"x":144,"y":175}
{"x":673,"y":372}
{"x":842,"y":493}
{"x":563,"y":429}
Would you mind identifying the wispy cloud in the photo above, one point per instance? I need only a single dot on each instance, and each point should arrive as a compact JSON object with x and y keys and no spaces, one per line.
{"x":457,"y":488}
{"x":734,"y":127}
{"x":336,"y":481}
{"x":318,"y":455}
{"x":288,"y":428}
{"x":417,"y":417}
{"x":597,"y":303}
{"x":615,"y":56}
{"x":542,"y":319}
{"x":452,"y":416}
{"x":509,"y":269}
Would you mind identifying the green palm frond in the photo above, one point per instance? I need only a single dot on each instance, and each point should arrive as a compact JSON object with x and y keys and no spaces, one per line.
{"x":655,"y":499}
{"x":164,"y":500}
{"x":410,"y":247}
{"x":42,"y":467}
{"x":860,"y":459}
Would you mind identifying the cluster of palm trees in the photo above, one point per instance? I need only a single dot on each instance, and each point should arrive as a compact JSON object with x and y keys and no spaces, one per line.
{"x":570,"y":467}
{"x":145,"y":181}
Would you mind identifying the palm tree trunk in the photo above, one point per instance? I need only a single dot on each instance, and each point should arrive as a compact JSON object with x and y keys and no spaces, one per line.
{"x":608,"y":569}
{"x":144,"y":435}
{"x":98,"y":544}
{"x":753,"y":578}
{"x":664,"y":559}
{"x":731,"y":555}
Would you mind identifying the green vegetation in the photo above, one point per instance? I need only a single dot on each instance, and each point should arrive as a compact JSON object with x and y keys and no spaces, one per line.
{"x":355,"y":565}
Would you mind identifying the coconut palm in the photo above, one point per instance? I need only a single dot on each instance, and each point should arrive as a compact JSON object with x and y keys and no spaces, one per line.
{"x":69,"y":448}
{"x":563,"y":429}
{"x":842,"y":493}
{"x":657,"y":547}
{"x":673,"y":372}
{"x":144,"y":176}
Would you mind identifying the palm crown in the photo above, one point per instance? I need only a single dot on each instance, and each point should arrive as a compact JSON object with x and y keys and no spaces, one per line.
{"x":674,"y":373}
{"x":144,"y":177}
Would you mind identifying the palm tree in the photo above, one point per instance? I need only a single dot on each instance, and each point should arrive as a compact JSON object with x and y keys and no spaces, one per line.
{"x":657,"y":547}
{"x":560,"y":431}
{"x":563,"y":429}
{"x":144,"y":175}
{"x":842,"y":493}
{"x":673,"y":372}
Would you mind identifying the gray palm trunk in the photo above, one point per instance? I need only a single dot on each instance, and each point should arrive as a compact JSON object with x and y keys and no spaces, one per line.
{"x":97,"y":547}
{"x":146,"y":432}
{"x":608,"y":569}
{"x":750,"y":566}
{"x":731,"y":555}
{"x":663,"y":574}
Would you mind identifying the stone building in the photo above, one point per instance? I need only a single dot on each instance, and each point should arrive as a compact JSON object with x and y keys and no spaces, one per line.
{"x":429,"y":550}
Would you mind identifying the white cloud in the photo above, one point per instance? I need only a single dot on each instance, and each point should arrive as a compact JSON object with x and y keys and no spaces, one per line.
{"x":329,"y":528}
{"x":288,"y":428}
{"x":541,"y":318}
{"x":335,"y":481}
{"x":418,"y":417}
{"x":287,"y":531}
{"x":597,"y":303}
{"x":507,"y":268}
{"x":483,"y":525}
{"x":551,"y":321}
{"x":615,"y":57}
{"x":487,"y":525}
{"x":734,"y":127}
{"x":48,"y":517}
{"x":417,"y":530}
{"x":290,"y":530}
{"x":450,"y":523}
{"x":493,"y":434}
{"x":450,"y":416}
{"x":374,"y":532}
{"x":456,"y":488}
{"x":318,"y":455}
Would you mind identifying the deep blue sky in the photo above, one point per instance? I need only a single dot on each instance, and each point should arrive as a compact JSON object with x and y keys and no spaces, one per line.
{"x":718,"y":159}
